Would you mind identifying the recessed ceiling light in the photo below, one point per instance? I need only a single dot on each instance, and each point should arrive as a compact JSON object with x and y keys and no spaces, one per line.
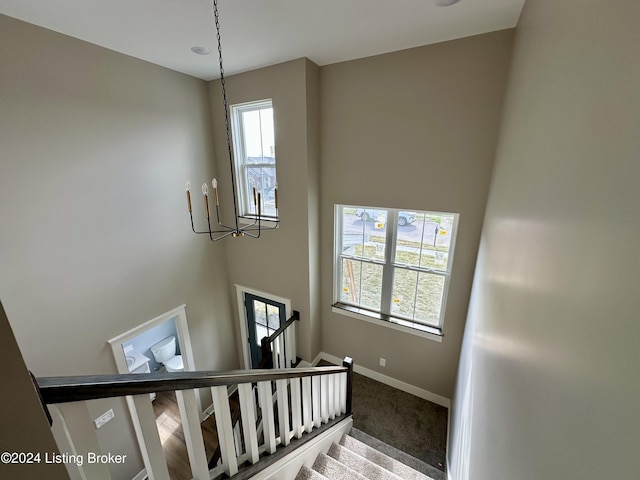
{"x":201,"y":50}
{"x":446,"y":3}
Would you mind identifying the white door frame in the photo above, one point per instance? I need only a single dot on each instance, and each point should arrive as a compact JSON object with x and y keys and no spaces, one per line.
{"x":140,"y":406}
{"x":180,"y":314}
{"x":242,"y":317}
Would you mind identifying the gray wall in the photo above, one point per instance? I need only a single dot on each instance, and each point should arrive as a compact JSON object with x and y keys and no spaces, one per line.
{"x":548,"y":384}
{"x":95,"y":237}
{"x":282,"y":262}
{"x":414,"y":129}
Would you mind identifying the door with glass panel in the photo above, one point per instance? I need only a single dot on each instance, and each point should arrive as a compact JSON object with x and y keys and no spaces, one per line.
{"x":264,"y":316}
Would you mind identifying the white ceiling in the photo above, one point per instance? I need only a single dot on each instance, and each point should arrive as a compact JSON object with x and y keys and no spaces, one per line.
{"x":257,"y":33}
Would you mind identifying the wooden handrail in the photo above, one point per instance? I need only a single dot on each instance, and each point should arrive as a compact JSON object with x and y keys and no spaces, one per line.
{"x":271,"y":338}
{"x":89,"y":387}
{"x":266,"y":361}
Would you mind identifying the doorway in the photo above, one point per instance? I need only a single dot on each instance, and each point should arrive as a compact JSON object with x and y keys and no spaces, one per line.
{"x":263,"y":315}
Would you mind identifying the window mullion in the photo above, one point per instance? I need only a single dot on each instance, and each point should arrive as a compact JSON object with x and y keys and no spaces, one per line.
{"x":390,"y":253}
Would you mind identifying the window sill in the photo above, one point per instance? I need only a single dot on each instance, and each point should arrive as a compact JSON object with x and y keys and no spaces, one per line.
{"x":406,"y":326}
{"x":263,"y":223}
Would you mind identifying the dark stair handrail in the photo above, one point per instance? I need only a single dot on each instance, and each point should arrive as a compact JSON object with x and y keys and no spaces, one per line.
{"x":90,"y":387}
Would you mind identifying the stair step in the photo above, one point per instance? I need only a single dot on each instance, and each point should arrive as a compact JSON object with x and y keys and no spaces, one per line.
{"x":360,"y":464}
{"x":334,"y":470}
{"x":306,"y":473}
{"x":429,"y":470}
{"x":356,"y":447}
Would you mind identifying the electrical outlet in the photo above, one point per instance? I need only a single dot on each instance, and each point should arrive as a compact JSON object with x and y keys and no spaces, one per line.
{"x":104,"y":418}
{"x":383,"y":362}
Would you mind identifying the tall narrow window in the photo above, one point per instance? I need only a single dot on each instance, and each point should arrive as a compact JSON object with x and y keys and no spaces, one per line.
{"x":255,"y":156}
{"x":394,"y":264}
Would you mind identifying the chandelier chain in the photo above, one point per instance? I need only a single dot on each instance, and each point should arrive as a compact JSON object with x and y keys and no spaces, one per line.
{"x":225,"y":105}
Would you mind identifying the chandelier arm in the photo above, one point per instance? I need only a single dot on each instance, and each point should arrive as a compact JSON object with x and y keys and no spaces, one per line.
{"x":251,"y":234}
{"x":221,"y":236}
{"x":261,"y":228}
{"x":218,"y":220}
{"x":206,"y":232}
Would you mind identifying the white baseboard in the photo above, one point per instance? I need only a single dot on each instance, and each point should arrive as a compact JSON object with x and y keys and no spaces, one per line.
{"x":392,"y":382}
{"x":142,"y":475}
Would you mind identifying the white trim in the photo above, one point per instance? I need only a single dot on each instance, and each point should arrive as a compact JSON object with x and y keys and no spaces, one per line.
{"x":384,"y":323}
{"x":314,"y":362}
{"x":289,"y":466}
{"x":180,"y":315}
{"x":142,"y":475}
{"x":392,"y":382}
{"x":242,"y":317}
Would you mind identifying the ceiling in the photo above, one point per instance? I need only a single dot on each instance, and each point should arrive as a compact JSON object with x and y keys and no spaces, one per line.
{"x":257,"y":33}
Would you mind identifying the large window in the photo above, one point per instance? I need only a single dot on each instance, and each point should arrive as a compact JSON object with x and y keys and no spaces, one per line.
{"x":394,"y":265}
{"x":255,"y":156}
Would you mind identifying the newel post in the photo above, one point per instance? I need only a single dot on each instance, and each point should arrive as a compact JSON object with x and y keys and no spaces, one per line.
{"x":267,"y":358}
{"x":348,"y":362}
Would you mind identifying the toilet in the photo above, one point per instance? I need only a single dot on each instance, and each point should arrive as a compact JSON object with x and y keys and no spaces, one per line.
{"x":165,"y":352}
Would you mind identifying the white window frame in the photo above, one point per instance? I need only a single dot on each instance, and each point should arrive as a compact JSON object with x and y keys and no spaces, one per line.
{"x":383,"y":316}
{"x":244,"y":194}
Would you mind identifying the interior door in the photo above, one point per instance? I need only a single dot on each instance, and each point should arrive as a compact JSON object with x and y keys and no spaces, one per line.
{"x":264,"y":316}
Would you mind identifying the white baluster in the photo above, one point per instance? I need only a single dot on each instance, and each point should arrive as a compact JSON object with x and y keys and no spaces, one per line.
{"x":190,"y":414}
{"x":289,"y":343}
{"x":307,"y":417}
{"x":296,"y":407}
{"x":336,"y":393}
{"x":144,"y":421}
{"x":283,"y":410}
{"x":317,"y":420}
{"x":248,"y":411}
{"x":282,"y":362}
{"x":274,"y":353}
{"x":331,"y":414}
{"x":324,"y":399}
{"x":343,"y":392}
{"x":294,"y":351}
{"x":224,"y":429}
{"x":268,"y":425}
{"x":237,"y":440}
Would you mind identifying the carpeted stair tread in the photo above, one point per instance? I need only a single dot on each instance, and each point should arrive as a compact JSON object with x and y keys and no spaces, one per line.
{"x":381,"y":460}
{"x":306,"y":473}
{"x":334,"y":470}
{"x":360,"y":464}
{"x":429,"y":470}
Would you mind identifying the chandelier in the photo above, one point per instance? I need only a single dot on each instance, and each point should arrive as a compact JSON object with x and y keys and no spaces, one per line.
{"x":220,"y":230}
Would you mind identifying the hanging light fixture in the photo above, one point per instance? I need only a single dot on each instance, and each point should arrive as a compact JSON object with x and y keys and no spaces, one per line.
{"x":221,"y":230}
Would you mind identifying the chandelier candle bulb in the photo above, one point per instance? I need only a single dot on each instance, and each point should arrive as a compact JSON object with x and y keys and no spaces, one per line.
{"x":205,"y":193}
{"x":214,"y":184}
{"x":187,"y":186}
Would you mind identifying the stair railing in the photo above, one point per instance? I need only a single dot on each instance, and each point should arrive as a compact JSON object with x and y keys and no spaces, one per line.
{"x":279,"y":348}
{"x":307,"y":399}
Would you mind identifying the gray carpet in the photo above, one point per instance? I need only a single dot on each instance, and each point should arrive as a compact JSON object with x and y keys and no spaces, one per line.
{"x":410,"y":424}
